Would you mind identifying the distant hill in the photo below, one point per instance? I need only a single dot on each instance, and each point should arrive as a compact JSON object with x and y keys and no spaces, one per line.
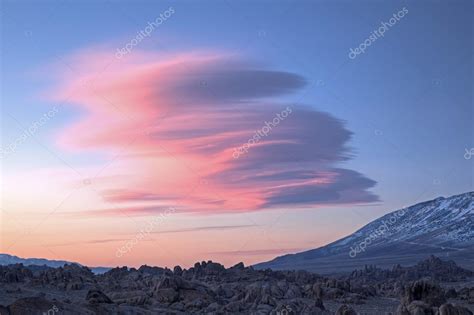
{"x":6,"y":259}
{"x":443,"y":227}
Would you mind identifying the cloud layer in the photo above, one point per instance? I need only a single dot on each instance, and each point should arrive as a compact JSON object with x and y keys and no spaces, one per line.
{"x":175,"y":123}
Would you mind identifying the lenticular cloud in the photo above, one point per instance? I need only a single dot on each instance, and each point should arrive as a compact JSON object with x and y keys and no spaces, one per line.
{"x":174,"y":124}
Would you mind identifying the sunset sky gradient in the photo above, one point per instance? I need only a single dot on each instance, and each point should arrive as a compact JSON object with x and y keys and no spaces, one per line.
{"x":157,"y":128}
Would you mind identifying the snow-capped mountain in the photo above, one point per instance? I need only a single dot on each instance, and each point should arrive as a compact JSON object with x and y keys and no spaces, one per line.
{"x":443,"y":226}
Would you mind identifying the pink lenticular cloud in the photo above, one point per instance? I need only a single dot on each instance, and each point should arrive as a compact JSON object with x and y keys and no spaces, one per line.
{"x":177,"y":121}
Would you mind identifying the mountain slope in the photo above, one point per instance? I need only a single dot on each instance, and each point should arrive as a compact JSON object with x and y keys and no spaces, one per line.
{"x":443,"y":227}
{"x":6,"y":259}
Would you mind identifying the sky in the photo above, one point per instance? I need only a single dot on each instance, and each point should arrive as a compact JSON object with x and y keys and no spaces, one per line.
{"x":171,"y":132}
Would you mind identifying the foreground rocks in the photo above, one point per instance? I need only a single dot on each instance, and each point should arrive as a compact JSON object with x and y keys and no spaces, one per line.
{"x":210,"y":288}
{"x":426,"y":297}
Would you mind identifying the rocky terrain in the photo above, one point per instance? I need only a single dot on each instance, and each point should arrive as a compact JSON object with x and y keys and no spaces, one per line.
{"x":432,"y":286}
{"x":443,"y":227}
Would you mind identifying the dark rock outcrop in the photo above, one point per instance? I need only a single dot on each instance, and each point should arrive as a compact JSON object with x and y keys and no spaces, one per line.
{"x":97,"y":297}
{"x":424,"y":297}
{"x":449,"y":309}
{"x":345,"y":310}
{"x":31,"y":305}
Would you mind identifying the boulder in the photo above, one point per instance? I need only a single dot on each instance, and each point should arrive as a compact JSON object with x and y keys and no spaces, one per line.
{"x":345,"y":310}
{"x":4,"y":310}
{"x":424,"y":291}
{"x":450,"y":309}
{"x":31,"y":305}
{"x":96,"y":296}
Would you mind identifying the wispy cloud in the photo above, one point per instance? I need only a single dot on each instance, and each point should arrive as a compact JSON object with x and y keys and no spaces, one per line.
{"x":207,"y":228}
{"x":100,"y":241}
{"x":257,"y":252}
{"x":182,"y":230}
